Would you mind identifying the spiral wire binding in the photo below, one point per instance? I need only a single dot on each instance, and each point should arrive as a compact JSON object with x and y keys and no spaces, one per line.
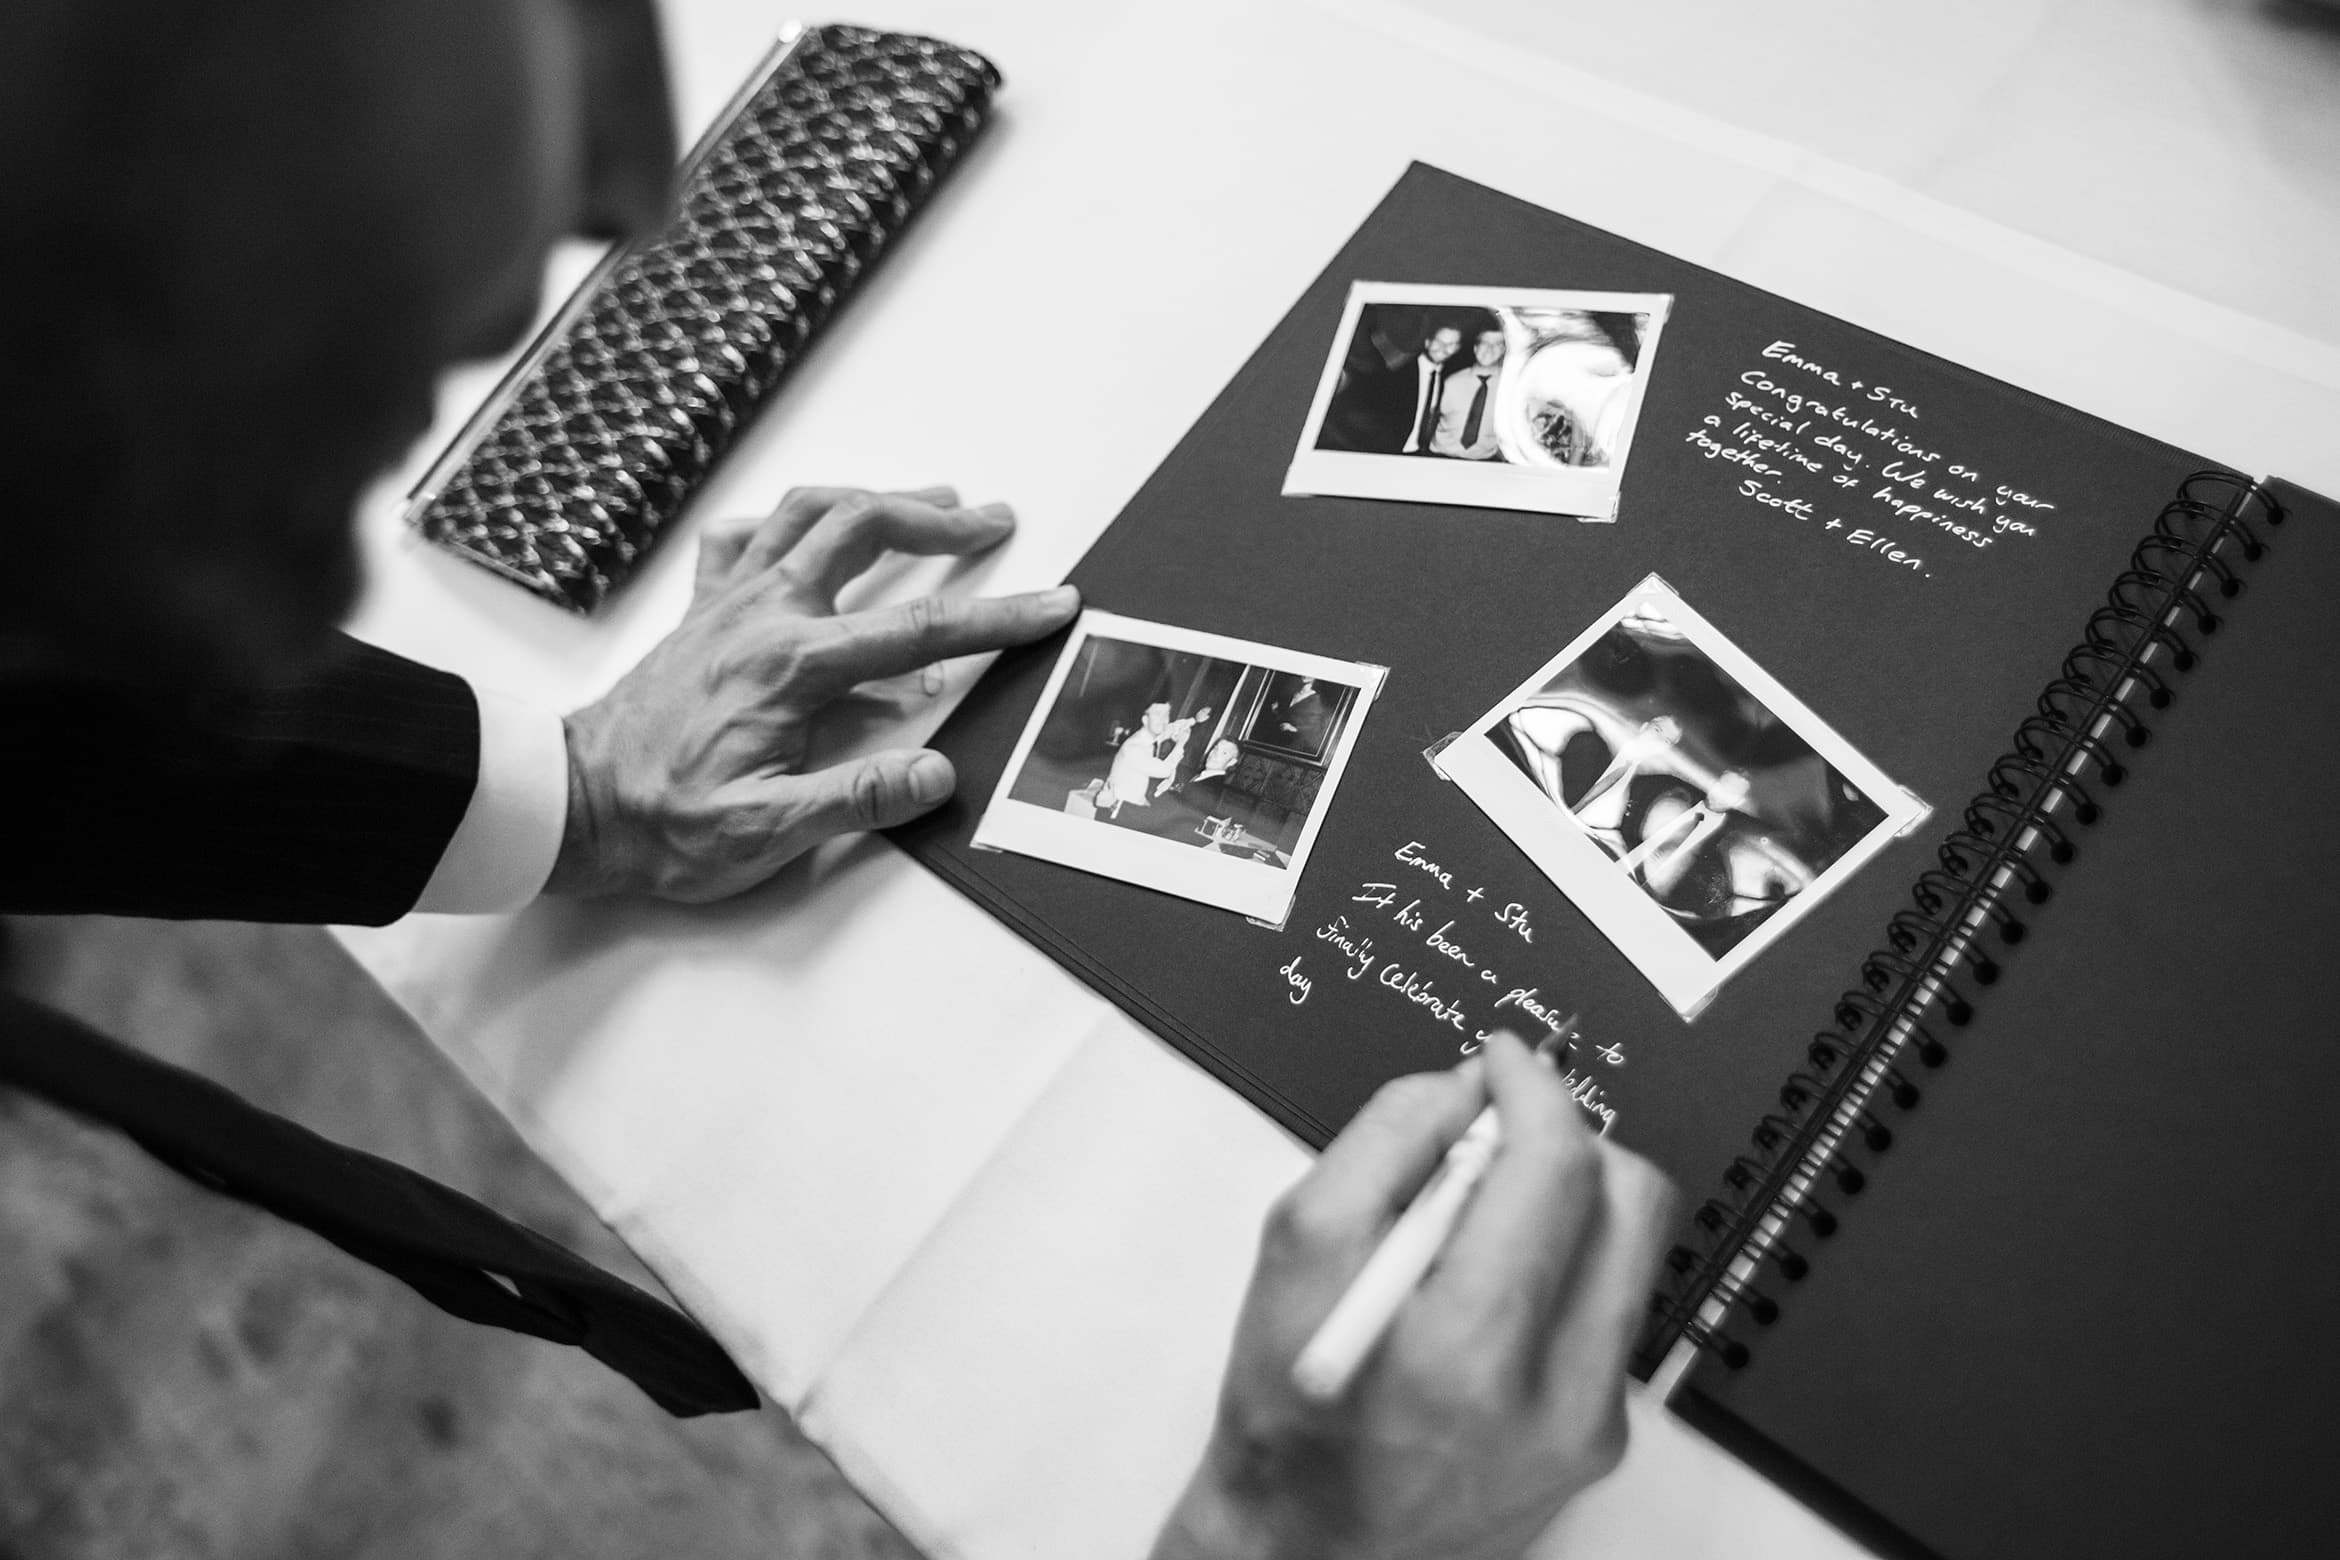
{"x":2083,"y":721}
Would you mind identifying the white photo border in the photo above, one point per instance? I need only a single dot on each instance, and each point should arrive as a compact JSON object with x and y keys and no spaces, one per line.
{"x":1588,"y":493}
{"x":1259,"y":890}
{"x":1670,"y":958}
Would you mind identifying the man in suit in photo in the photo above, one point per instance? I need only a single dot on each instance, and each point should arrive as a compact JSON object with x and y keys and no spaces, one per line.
{"x":1186,"y":755}
{"x":1298,"y":716}
{"x":1183,"y":803}
{"x":1144,"y":760}
{"x":1207,"y":790}
{"x":246,"y":237}
{"x":1466,"y":412}
{"x":1205,"y":812}
{"x":1392,"y":411}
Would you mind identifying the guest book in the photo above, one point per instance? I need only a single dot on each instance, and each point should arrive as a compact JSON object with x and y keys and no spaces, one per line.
{"x":1907,"y":783}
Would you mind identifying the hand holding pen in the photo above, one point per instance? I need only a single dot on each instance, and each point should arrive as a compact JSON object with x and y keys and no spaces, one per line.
{"x":1495,"y":1391}
{"x":1353,"y":1329}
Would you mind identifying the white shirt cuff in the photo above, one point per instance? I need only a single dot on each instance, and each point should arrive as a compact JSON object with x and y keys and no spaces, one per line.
{"x":503,"y":851}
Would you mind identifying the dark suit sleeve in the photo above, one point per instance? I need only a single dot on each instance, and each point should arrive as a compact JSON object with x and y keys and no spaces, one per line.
{"x":326,"y":799}
{"x":329,"y":798}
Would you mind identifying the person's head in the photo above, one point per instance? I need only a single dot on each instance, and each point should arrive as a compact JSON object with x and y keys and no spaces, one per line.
{"x":1222,"y":755}
{"x":1158,"y":717}
{"x":1442,"y":343}
{"x":1487,"y":348}
{"x":257,"y":231}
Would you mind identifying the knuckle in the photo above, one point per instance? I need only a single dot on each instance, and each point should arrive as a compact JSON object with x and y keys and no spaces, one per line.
{"x":788,"y":575}
{"x":1251,"y":1435}
{"x":789,"y":665}
{"x":731,"y":530}
{"x":1576,"y":1157}
{"x":871,"y":795}
{"x":925,"y":618}
{"x":1566,"y":1159}
{"x":1603,"y":1446}
{"x":1300,"y":1225}
{"x":739,"y":833}
{"x":857,"y":508}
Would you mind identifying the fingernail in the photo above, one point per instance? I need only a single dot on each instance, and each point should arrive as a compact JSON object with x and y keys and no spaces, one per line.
{"x":996,"y":511}
{"x":1061,"y":598}
{"x":941,"y":494}
{"x":930,"y":778}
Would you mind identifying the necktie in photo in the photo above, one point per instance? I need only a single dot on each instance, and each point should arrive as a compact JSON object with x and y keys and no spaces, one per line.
{"x":1429,"y":419}
{"x":1470,"y":433}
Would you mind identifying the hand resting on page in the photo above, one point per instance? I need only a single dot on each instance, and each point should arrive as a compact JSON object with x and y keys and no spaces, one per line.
{"x":1498,"y":1393}
{"x":688,"y":781}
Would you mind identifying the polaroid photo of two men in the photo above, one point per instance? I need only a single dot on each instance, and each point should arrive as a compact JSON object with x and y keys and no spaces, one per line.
{"x":1493,"y":397}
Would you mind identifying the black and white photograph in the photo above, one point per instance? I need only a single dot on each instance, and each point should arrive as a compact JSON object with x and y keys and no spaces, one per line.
{"x":1502,"y":398}
{"x":1682,"y":798}
{"x":1186,"y":762}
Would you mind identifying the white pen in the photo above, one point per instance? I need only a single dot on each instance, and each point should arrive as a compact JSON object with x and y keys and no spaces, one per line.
{"x":1374,"y":1297}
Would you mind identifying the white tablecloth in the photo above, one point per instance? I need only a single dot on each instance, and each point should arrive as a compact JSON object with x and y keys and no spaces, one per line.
{"x":983,"y":1235}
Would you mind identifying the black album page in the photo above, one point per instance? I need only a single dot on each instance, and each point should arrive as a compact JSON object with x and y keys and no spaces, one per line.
{"x":1727,"y":606}
{"x":2081,"y":1308}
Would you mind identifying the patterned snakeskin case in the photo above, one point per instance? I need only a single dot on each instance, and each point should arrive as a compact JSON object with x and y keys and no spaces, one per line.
{"x":611,"y":420}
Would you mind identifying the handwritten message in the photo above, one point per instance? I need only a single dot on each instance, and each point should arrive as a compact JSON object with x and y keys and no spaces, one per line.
{"x":1851,"y":461}
{"x":1431,"y":941}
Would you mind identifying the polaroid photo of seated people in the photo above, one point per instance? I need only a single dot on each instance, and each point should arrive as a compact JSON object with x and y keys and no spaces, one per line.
{"x":1495,"y":397}
{"x":1184,"y":762}
{"x":1687,"y":803}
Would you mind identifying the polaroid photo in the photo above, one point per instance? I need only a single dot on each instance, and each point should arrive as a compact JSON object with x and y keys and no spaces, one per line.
{"x":1186,"y":762}
{"x":1687,"y":803}
{"x":1498,"y":397}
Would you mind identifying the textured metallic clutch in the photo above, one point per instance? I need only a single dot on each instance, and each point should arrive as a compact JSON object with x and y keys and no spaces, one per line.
{"x":614,"y":416}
